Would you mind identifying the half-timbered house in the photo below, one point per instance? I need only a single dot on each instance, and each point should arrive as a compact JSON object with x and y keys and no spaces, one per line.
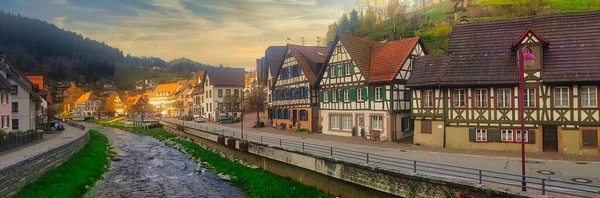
{"x":295,"y":103}
{"x":362,"y":87}
{"x":468,"y":98}
{"x":270,"y":64}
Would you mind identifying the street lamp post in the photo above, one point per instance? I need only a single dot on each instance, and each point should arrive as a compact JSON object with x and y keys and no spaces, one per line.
{"x":242,"y":115}
{"x":526,"y":58}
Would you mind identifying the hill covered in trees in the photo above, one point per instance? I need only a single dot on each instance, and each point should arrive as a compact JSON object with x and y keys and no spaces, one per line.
{"x":432,"y":20}
{"x":40,"y":48}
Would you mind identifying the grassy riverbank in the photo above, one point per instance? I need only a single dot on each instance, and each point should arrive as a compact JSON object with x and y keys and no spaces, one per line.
{"x":257,"y":182}
{"x":75,"y":176}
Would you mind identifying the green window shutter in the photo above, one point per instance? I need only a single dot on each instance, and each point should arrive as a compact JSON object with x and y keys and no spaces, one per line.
{"x":321,"y":96}
{"x":328,"y":72}
{"x":371,"y":94}
{"x":383,"y":91}
{"x":352,"y":68}
{"x":340,"y":95}
{"x":365,"y":96}
{"x":335,"y":71}
{"x":352,"y":94}
{"x":329,"y":95}
{"x":343,"y":70}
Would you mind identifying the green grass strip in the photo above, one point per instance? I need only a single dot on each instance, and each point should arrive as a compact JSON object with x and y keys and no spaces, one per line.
{"x":71,"y":178}
{"x":258,"y":182}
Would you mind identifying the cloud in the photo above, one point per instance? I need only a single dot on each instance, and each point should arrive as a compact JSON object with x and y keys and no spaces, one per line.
{"x":59,"y":2}
{"x":228,"y":32}
{"x":59,"y":21}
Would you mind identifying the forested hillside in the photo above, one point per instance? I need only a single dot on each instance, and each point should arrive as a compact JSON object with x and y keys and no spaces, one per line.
{"x":40,"y":48}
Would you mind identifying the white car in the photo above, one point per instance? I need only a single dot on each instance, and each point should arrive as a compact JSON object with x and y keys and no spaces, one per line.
{"x":199,"y":120}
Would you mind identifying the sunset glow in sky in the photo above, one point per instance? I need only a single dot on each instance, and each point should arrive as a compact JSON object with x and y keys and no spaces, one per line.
{"x":228,"y":32}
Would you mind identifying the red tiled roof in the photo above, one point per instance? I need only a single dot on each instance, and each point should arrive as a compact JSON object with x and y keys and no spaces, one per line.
{"x":310,"y":59}
{"x":388,"y":59}
{"x":482,"y":53}
{"x":378,"y":61}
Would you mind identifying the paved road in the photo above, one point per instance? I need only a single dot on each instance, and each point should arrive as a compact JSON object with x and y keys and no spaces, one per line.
{"x":148,"y":168}
{"x":50,"y":141}
{"x":559,"y":170}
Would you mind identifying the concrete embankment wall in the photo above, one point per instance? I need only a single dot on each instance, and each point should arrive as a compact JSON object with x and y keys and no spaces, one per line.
{"x":15,"y":176}
{"x":337,"y":177}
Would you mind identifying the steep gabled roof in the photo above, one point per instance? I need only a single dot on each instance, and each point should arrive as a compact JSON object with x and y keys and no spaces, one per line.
{"x":361,"y":51}
{"x":5,"y":84}
{"x":389,"y":58}
{"x":377,"y":61}
{"x":483,"y":53}
{"x":225,"y":76}
{"x":310,"y":59}
{"x":170,"y":87}
{"x":85,"y":97}
{"x":274,"y":56}
{"x":428,"y":70}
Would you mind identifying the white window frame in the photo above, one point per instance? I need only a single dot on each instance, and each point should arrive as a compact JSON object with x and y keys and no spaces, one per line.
{"x":504,"y":98}
{"x":359,"y":94}
{"x":346,"y":95}
{"x":334,"y":95}
{"x":591,"y":99}
{"x":347,"y":69}
{"x":561,"y":97}
{"x":481,"y":135}
{"x":518,"y":135}
{"x":529,"y":98}
{"x":334,"y":67}
{"x":377,"y":122}
{"x":325,"y":96}
{"x":481,"y":98}
{"x":506,"y":135}
{"x":346,"y":122}
{"x":334,"y":122}
{"x":428,"y":98}
{"x":378,"y":96}
{"x":461,"y":98}
{"x":5,"y":121}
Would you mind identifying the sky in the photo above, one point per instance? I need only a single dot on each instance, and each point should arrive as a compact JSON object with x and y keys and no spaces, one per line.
{"x":229,"y":32}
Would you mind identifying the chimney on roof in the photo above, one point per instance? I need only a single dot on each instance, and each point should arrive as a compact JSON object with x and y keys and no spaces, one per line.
{"x":464,"y":19}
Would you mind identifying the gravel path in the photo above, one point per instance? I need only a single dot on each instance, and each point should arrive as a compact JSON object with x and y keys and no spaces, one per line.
{"x":148,"y":168}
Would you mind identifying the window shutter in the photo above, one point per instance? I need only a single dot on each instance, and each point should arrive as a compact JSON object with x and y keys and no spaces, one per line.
{"x":299,"y":71}
{"x":531,"y":136}
{"x":383,"y":92}
{"x":352,"y":68}
{"x":364,"y":93}
{"x":340,"y":95}
{"x":329,"y":95}
{"x":275,"y":114}
{"x":320,"y":96}
{"x":343,"y":70}
{"x":335,"y":70}
{"x":471,"y":134}
{"x":306,"y":92}
{"x":352,"y":94}
{"x":494,"y":135}
{"x":371,"y":93}
{"x":328,"y":72}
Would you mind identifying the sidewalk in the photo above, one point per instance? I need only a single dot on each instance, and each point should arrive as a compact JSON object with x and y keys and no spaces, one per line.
{"x":567,"y":171}
{"x":50,"y":141}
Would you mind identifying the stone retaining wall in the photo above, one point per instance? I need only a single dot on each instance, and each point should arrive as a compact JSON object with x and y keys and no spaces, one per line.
{"x":334,"y":175}
{"x":14,"y":177}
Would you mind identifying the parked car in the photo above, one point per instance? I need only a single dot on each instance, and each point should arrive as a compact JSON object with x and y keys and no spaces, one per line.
{"x":225,"y":118}
{"x":60,"y":127}
{"x":199,"y":119}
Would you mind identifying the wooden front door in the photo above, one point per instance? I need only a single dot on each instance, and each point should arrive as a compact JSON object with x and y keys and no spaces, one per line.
{"x":550,"y":137}
{"x":294,"y":117}
{"x":360,"y":120}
